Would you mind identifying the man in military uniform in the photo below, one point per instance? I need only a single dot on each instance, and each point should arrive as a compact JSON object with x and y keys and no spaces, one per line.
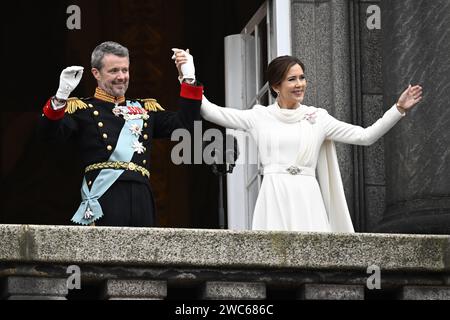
{"x":114,"y":137}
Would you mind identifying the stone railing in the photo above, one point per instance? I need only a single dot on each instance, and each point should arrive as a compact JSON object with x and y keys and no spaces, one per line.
{"x":67,"y":262}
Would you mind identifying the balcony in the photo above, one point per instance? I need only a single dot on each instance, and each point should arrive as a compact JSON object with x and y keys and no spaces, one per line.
{"x":69,"y":262}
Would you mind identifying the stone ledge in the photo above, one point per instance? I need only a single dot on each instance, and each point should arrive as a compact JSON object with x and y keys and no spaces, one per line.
{"x":222,"y":248}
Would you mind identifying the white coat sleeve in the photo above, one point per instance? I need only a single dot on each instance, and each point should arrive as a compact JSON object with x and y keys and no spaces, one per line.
{"x":226,"y":117}
{"x":343,"y":132}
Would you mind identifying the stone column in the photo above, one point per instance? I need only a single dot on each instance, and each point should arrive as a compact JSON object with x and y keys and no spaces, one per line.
{"x":416,"y":46}
{"x":320,"y":39}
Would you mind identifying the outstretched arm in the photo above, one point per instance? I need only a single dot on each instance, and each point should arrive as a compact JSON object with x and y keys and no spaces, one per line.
{"x":225,"y":117}
{"x":348,"y":133}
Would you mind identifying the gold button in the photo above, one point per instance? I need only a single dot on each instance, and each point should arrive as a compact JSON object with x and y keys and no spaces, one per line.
{"x":145,"y":137}
{"x":90,"y":105}
{"x":144,"y":161}
{"x":96,"y":113}
{"x":109,"y":148}
{"x":145,"y":124}
{"x":89,"y":183}
{"x":100,"y":124}
{"x":105,"y":136}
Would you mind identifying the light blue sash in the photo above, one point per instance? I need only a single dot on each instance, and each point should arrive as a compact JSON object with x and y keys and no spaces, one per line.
{"x":90,"y":209}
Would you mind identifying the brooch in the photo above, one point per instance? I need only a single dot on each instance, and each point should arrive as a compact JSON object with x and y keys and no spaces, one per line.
{"x":138,"y":147}
{"x":311,"y":117}
{"x":136,"y":130}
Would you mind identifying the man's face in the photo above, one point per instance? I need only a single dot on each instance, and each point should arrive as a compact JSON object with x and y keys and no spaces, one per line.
{"x":113,"y":77}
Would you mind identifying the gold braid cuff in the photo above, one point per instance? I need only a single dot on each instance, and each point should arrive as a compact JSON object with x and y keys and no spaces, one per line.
{"x":117,"y":165}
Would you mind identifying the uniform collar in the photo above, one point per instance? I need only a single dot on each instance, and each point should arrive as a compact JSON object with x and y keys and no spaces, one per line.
{"x":104,"y":96}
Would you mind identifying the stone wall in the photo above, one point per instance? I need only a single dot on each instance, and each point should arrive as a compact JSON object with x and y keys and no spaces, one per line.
{"x":415,"y":48}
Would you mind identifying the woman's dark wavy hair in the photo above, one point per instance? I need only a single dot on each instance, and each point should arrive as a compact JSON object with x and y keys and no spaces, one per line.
{"x":277,"y":69}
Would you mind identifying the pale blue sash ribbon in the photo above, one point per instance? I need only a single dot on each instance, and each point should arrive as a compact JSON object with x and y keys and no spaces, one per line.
{"x":105,"y":179}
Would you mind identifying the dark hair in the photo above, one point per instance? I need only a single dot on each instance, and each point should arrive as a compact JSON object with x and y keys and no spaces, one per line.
{"x":277,"y":69}
{"x":108,"y":47}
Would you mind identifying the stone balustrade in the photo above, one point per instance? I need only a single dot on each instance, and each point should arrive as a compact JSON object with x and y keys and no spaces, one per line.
{"x":163,"y":263}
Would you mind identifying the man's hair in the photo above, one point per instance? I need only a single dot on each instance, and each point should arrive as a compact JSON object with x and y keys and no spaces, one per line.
{"x":108,"y":47}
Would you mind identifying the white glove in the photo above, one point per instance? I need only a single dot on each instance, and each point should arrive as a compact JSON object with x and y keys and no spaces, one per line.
{"x":188,"y":68}
{"x":68,"y":80}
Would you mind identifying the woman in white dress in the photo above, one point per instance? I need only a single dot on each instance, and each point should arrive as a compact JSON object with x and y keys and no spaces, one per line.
{"x":294,"y":142}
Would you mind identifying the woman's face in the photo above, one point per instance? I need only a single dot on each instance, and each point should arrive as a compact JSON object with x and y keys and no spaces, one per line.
{"x":292,"y":88}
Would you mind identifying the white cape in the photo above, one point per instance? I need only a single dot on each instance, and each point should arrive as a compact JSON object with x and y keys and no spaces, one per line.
{"x":333,"y":195}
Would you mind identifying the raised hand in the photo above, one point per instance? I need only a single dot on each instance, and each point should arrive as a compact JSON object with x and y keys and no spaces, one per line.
{"x":185,"y":64}
{"x":409,"y":98}
{"x":68,"y":80}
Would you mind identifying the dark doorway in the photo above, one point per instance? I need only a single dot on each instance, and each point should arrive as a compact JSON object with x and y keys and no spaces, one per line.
{"x":41,"y":182}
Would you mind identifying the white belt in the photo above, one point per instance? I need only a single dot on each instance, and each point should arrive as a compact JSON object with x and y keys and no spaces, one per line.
{"x":287,"y":169}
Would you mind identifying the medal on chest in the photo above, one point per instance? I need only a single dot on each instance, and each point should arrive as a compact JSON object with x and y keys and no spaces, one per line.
{"x":131,"y":111}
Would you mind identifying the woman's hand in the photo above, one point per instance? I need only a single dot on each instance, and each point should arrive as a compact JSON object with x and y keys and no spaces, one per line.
{"x":409,"y":98}
{"x":185,"y":64}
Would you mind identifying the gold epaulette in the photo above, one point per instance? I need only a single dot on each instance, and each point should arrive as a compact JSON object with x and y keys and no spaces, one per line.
{"x":151,"y":105}
{"x":74,"y":104}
